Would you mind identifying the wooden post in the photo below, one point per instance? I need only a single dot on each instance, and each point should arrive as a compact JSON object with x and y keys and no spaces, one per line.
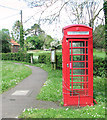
{"x":31,"y":59}
{"x":55,"y":66}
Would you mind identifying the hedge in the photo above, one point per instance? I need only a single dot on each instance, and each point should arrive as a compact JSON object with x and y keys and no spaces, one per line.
{"x":24,"y":57}
{"x":98,"y":63}
{"x":99,"y":66}
{"x":105,"y":13}
{"x":46,"y":58}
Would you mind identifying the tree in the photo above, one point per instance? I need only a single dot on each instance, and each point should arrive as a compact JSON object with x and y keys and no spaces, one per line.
{"x":4,"y":41}
{"x":99,"y":37}
{"x":35,"y":30}
{"x":16,"y":31}
{"x":47,"y":41}
{"x":21,"y":37}
{"x":78,"y":12}
{"x":34,"y":42}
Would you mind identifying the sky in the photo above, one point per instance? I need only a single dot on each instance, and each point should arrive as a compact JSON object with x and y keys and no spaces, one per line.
{"x":10,"y":12}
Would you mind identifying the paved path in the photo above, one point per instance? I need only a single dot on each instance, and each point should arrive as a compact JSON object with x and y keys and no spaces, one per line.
{"x":24,"y":95}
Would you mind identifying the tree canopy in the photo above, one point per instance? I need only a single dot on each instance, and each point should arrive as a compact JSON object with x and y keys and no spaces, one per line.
{"x":4,"y":40}
{"x":16,"y":31}
{"x":34,"y":30}
{"x":34,"y":42}
{"x":36,"y":38}
{"x":99,"y":37}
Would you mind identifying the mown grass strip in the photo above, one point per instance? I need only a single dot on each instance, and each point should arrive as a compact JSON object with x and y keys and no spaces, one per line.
{"x":12,"y":74}
{"x":52,"y":88}
{"x":99,"y":53}
{"x":97,"y":111}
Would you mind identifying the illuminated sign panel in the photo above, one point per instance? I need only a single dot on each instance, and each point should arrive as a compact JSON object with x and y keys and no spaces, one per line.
{"x":78,"y":32}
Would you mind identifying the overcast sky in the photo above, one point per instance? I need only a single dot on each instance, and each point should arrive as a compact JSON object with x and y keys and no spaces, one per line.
{"x":10,"y":12}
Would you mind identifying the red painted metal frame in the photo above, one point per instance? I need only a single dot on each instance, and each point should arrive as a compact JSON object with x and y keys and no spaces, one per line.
{"x":82,"y":96}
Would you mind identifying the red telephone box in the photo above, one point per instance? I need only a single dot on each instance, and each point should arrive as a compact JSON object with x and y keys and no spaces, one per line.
{"x":77,"y":64}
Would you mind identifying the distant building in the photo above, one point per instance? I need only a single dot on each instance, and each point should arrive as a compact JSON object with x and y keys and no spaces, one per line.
{"x":14,"y":46}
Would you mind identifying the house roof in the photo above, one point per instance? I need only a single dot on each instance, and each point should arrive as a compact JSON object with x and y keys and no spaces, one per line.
{"x":14,"y":43}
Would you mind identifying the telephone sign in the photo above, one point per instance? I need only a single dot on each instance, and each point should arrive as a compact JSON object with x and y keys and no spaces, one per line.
{"x":77,"y":64}
{"x":78,"y":33}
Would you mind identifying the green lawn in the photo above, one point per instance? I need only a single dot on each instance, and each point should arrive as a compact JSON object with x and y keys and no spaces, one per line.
{"x":52,"y":88}
{"x":38,"y":52}
{"x":99,"y":53}
{"x":52,"y":91}
{"x":12,"y":74}
{"x":97,"y":111}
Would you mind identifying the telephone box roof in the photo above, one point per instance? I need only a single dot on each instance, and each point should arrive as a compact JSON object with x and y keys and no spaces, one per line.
{"x":76,"y":25}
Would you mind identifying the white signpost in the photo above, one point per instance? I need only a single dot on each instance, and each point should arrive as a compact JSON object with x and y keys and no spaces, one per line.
{"x":53,"y":58}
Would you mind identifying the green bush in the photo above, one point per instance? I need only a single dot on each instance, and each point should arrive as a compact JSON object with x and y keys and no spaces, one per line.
{"x":48,"y":59}
{"x":98,"y":63}
{"x":24,"y":57}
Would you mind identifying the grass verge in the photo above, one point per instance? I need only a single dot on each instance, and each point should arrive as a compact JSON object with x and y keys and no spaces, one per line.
{"x":38,"y":52}
{"x":12,"y":74}
{"x":52,"y":88}
{"x":97,"y":111}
